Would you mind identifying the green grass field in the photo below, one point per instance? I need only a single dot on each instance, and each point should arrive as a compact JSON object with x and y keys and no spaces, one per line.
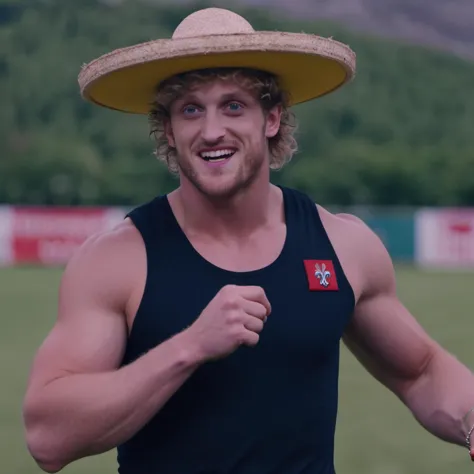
{"x":376,"y":434}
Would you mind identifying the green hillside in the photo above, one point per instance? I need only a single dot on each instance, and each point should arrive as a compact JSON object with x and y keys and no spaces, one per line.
{"x":401,"y":133}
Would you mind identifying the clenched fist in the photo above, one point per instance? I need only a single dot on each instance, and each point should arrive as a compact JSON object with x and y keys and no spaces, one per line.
{"x":234,"y":317}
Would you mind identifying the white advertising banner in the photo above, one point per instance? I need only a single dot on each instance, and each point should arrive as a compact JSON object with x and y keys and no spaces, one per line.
{"x":50,"y":235}
{"x":444,"y":238}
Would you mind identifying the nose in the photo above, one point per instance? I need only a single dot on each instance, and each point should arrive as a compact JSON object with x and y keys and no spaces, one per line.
{"x":212,"y":129}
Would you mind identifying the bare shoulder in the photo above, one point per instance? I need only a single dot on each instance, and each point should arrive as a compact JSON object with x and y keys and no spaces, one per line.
{"x":102,"y":244}
{"x":362,"y":254}
{"x":106,"y":268}
{"x":344,"y":220}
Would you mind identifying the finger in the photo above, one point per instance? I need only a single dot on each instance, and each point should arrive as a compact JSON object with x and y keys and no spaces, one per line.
{"x":257,"y":294}
{"x":251,"y":338}
{"x":253,"y":324}
{"x":254,"y":309}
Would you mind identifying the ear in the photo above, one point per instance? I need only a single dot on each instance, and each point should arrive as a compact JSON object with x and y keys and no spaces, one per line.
{"x":169,"y":133}
{"x":272,"y":123}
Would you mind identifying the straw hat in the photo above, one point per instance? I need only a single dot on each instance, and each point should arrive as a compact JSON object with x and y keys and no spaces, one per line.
{"x":308,"y":66}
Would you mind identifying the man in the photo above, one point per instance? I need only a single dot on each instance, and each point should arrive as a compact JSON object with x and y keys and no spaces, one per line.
{"x":202,"y":334}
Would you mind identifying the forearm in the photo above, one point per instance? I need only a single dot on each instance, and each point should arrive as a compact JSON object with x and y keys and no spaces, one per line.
{"x":84,"y":414}
{"x":442,"y":397}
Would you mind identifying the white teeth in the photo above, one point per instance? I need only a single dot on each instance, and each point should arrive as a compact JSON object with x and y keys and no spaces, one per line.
{"x":216,"y":154}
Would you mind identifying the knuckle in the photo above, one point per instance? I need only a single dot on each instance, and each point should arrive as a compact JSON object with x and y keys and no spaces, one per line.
{"x":228,"y":290}
{"x":231,"y":301}
{"x":237,"y":333}
{"x":233,"y":317}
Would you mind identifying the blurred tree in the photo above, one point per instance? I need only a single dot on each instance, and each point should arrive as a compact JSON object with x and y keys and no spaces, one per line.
{"x":400,"y":134}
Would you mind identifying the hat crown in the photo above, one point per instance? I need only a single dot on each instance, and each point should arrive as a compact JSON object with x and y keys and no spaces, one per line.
{"x":212,"y":21}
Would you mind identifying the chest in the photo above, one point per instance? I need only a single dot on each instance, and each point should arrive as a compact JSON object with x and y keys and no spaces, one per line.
{"x":242,"y":255}
{"x":304,"y":326}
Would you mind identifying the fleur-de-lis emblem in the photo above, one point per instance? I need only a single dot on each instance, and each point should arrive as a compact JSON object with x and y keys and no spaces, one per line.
{"x":322,"y":275}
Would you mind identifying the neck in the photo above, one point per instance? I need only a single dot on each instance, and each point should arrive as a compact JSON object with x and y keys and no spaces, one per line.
{"x":236,"y":217}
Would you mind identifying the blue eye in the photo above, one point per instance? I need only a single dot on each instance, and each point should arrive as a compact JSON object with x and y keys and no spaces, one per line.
{"x":190,"y":109}
{"x":234,"y":106}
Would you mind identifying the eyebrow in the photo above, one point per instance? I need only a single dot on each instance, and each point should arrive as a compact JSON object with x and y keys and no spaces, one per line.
{"x":190,"y":97}
{"x":237,"y":95}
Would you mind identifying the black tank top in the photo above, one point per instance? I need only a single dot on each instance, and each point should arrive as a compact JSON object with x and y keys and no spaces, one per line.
{"x":270,"y":409}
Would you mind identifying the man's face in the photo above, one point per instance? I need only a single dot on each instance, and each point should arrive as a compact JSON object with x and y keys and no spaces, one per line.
{"x":220,"y":134}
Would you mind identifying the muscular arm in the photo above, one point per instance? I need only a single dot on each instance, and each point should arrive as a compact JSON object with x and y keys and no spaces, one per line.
{"x":78,"y":403}
{"x":386,"y":338}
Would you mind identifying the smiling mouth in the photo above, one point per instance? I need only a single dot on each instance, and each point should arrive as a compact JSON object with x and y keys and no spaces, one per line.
{"x":217,"y":155}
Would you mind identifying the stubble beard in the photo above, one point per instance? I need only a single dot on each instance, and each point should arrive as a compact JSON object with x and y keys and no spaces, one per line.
{"x":242,"y":180}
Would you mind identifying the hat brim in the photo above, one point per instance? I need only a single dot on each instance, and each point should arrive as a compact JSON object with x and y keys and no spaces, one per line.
{"x":308,"y":66}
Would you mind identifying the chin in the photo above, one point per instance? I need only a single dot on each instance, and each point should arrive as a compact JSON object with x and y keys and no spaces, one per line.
{"x":220,"y":188}
{"x":225,"y":185}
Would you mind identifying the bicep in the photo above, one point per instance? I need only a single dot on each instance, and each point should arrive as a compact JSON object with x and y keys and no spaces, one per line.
{"x":383,"y":334}
{"x":389,"y":341}
{"x":90,"y":332}
{"x":90,"y":341}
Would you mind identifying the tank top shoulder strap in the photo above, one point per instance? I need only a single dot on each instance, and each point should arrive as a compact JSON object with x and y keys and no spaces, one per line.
{"x":303,"y":214}
{"x":152,"y":219}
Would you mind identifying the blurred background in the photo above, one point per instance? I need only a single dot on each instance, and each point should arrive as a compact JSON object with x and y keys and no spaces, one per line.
{"x":395,"y":147}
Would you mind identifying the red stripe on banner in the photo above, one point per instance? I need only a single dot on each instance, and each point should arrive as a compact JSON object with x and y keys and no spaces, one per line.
{"x":457,"y":230}
{"x":51,"y":235}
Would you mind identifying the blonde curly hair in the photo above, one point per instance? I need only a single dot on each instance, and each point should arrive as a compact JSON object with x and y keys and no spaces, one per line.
{"x":282,"y":146}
